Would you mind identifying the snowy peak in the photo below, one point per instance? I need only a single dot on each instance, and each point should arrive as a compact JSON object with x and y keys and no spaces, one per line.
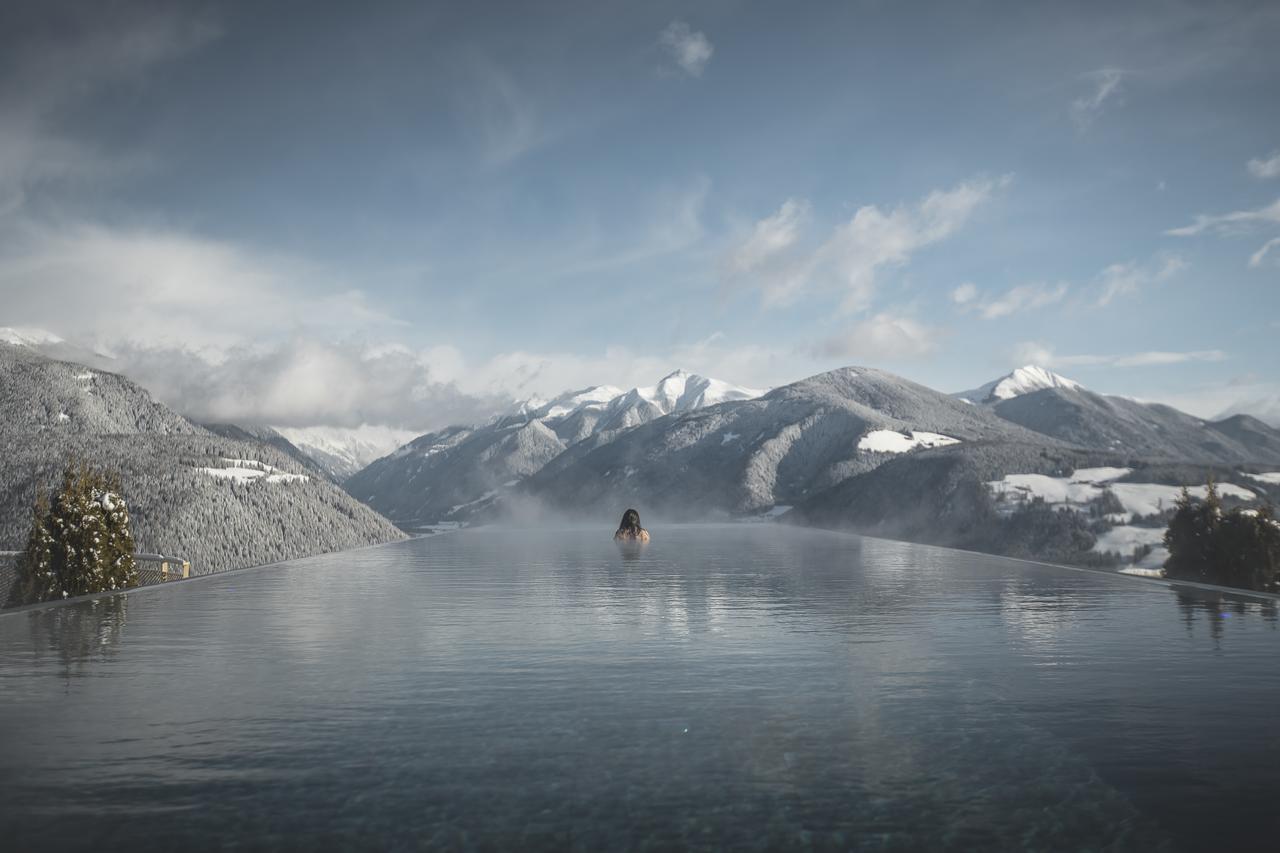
{"x":1024,"y":380}
{"x":27,"y":337}
{"x":682,"y":392}
{"x":570,"y":402}
{"x":678,"y":391}
{"x":342,"y":451}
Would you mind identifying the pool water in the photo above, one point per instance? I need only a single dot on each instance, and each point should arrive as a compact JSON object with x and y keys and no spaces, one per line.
{"x":754,"y":686}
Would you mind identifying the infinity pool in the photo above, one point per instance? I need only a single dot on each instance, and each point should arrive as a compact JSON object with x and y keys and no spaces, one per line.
{"x":755,"y":686}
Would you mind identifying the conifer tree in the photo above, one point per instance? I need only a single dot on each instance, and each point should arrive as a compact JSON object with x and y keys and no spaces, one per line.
{"x":1189,"y":537}
{"x":80,"y":541}
{"x":1240,"y":548}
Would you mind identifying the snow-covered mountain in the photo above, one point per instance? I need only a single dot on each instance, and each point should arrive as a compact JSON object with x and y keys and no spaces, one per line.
{"x":27,"y":337}
{"x":1023,"y":380}
{"x":1266,"y":409}
{"x":342,"y":451}
{"x":223,"y":501}
{"x":1064,"y":409}
{"x":754,"y":455}
{"x":451,"y":472}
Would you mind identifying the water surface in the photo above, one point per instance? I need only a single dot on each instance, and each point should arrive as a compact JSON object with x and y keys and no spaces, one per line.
{"x":756,"y":686}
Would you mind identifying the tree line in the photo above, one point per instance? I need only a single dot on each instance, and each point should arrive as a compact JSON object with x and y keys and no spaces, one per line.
{"x":1239,"y":548}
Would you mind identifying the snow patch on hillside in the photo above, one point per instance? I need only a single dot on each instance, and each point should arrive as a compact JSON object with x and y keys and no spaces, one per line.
{"x":251,"y":470}
{"x":1271,"y":478}
{"x":1127,"y":537}
{"x":892,"y":441}
{"x":1088,"y":484}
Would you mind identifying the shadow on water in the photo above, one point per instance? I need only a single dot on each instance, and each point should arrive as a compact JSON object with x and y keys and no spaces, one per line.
{"x":80,"y":634}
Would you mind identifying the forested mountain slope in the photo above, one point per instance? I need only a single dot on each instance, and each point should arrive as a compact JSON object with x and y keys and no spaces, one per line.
{"x":221,"y":502}
{"x":454,"y":472}
{"x":1091,"y":420}
{"x":748,"y":456}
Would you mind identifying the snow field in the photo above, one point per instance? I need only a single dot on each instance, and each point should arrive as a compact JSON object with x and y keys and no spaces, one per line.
{"x":892,"y":441}
{"x":1087,"y":484}
{"x":249,"y":470}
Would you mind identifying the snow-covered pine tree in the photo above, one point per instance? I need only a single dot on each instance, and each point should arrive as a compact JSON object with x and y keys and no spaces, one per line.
{"x":80,"y":542}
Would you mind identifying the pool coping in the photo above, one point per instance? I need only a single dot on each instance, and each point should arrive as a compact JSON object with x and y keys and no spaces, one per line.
{"x":1172,"y":585}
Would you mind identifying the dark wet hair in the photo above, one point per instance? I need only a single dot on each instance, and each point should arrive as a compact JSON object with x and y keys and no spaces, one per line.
{"x":630,"y":520}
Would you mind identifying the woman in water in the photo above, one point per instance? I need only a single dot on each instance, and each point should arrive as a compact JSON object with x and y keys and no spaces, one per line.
{"x":630,"y":529}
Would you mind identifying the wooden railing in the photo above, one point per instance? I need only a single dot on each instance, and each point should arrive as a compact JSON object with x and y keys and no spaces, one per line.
{"x":152,"y":569}
{"x":165,"y":568}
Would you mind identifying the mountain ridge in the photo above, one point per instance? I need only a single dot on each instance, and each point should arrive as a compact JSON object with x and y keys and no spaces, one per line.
{"x":222,"y":502}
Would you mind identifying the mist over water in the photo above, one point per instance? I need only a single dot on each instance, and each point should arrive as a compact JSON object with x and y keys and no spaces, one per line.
{"x":749,"y":685}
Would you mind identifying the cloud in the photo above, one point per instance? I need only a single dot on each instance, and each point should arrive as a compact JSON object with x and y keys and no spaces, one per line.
{"x":501,"y":116}
{"x":688,"y":48}
{"x":305,"y":381}
{"x":1268,"y":167}
{"x":1031,"y":352}
{"x":888,"y":335}
{"x":1236,"y":222}
{"x":1255,"y":260}
{"x":1105,"y":85}
{"x":768,"y":258}
{"x":1024,"y":297}
{"x":965,"y":293}
{"x":158,"y":286}
{"x":673,"y":224}
{"x":45,"y":78}
{"x":1129,"y":277}
{"x":771,"y":236}
{"x":852,"y":256}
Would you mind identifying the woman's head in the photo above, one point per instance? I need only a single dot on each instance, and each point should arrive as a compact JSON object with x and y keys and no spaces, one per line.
{"x":630,"y":520}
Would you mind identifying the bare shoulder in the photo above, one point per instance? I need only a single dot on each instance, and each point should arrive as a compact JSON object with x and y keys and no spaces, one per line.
{"x":643,"y":535}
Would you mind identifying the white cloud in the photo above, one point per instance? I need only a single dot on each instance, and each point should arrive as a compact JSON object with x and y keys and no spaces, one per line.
{"x":965,"y":293}
{"x":1250,"y":395}
{"x":873,"y":239}
{"x":1236,"y":222}
{"x":687,"y":47}
{"x":1129,"y":277}
{"x":1031,"y":352}
{"x":1268,"y":167}
{"x":887,"y":335}
{"x":768,"y":257}
{"x":1229,"y":223}
{"x":1024,"y":297}
{"x":1256,"y":259}
{"x":856,"y":251}
{"x":308,"y":380}
{"x":165,"y":287}
{"x":1105,"y":85}
{"x":305,"y":381}
{"x":771,"y":236}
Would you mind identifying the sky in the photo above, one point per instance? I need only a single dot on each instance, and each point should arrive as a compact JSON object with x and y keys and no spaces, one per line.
{"x":409,"y":214}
